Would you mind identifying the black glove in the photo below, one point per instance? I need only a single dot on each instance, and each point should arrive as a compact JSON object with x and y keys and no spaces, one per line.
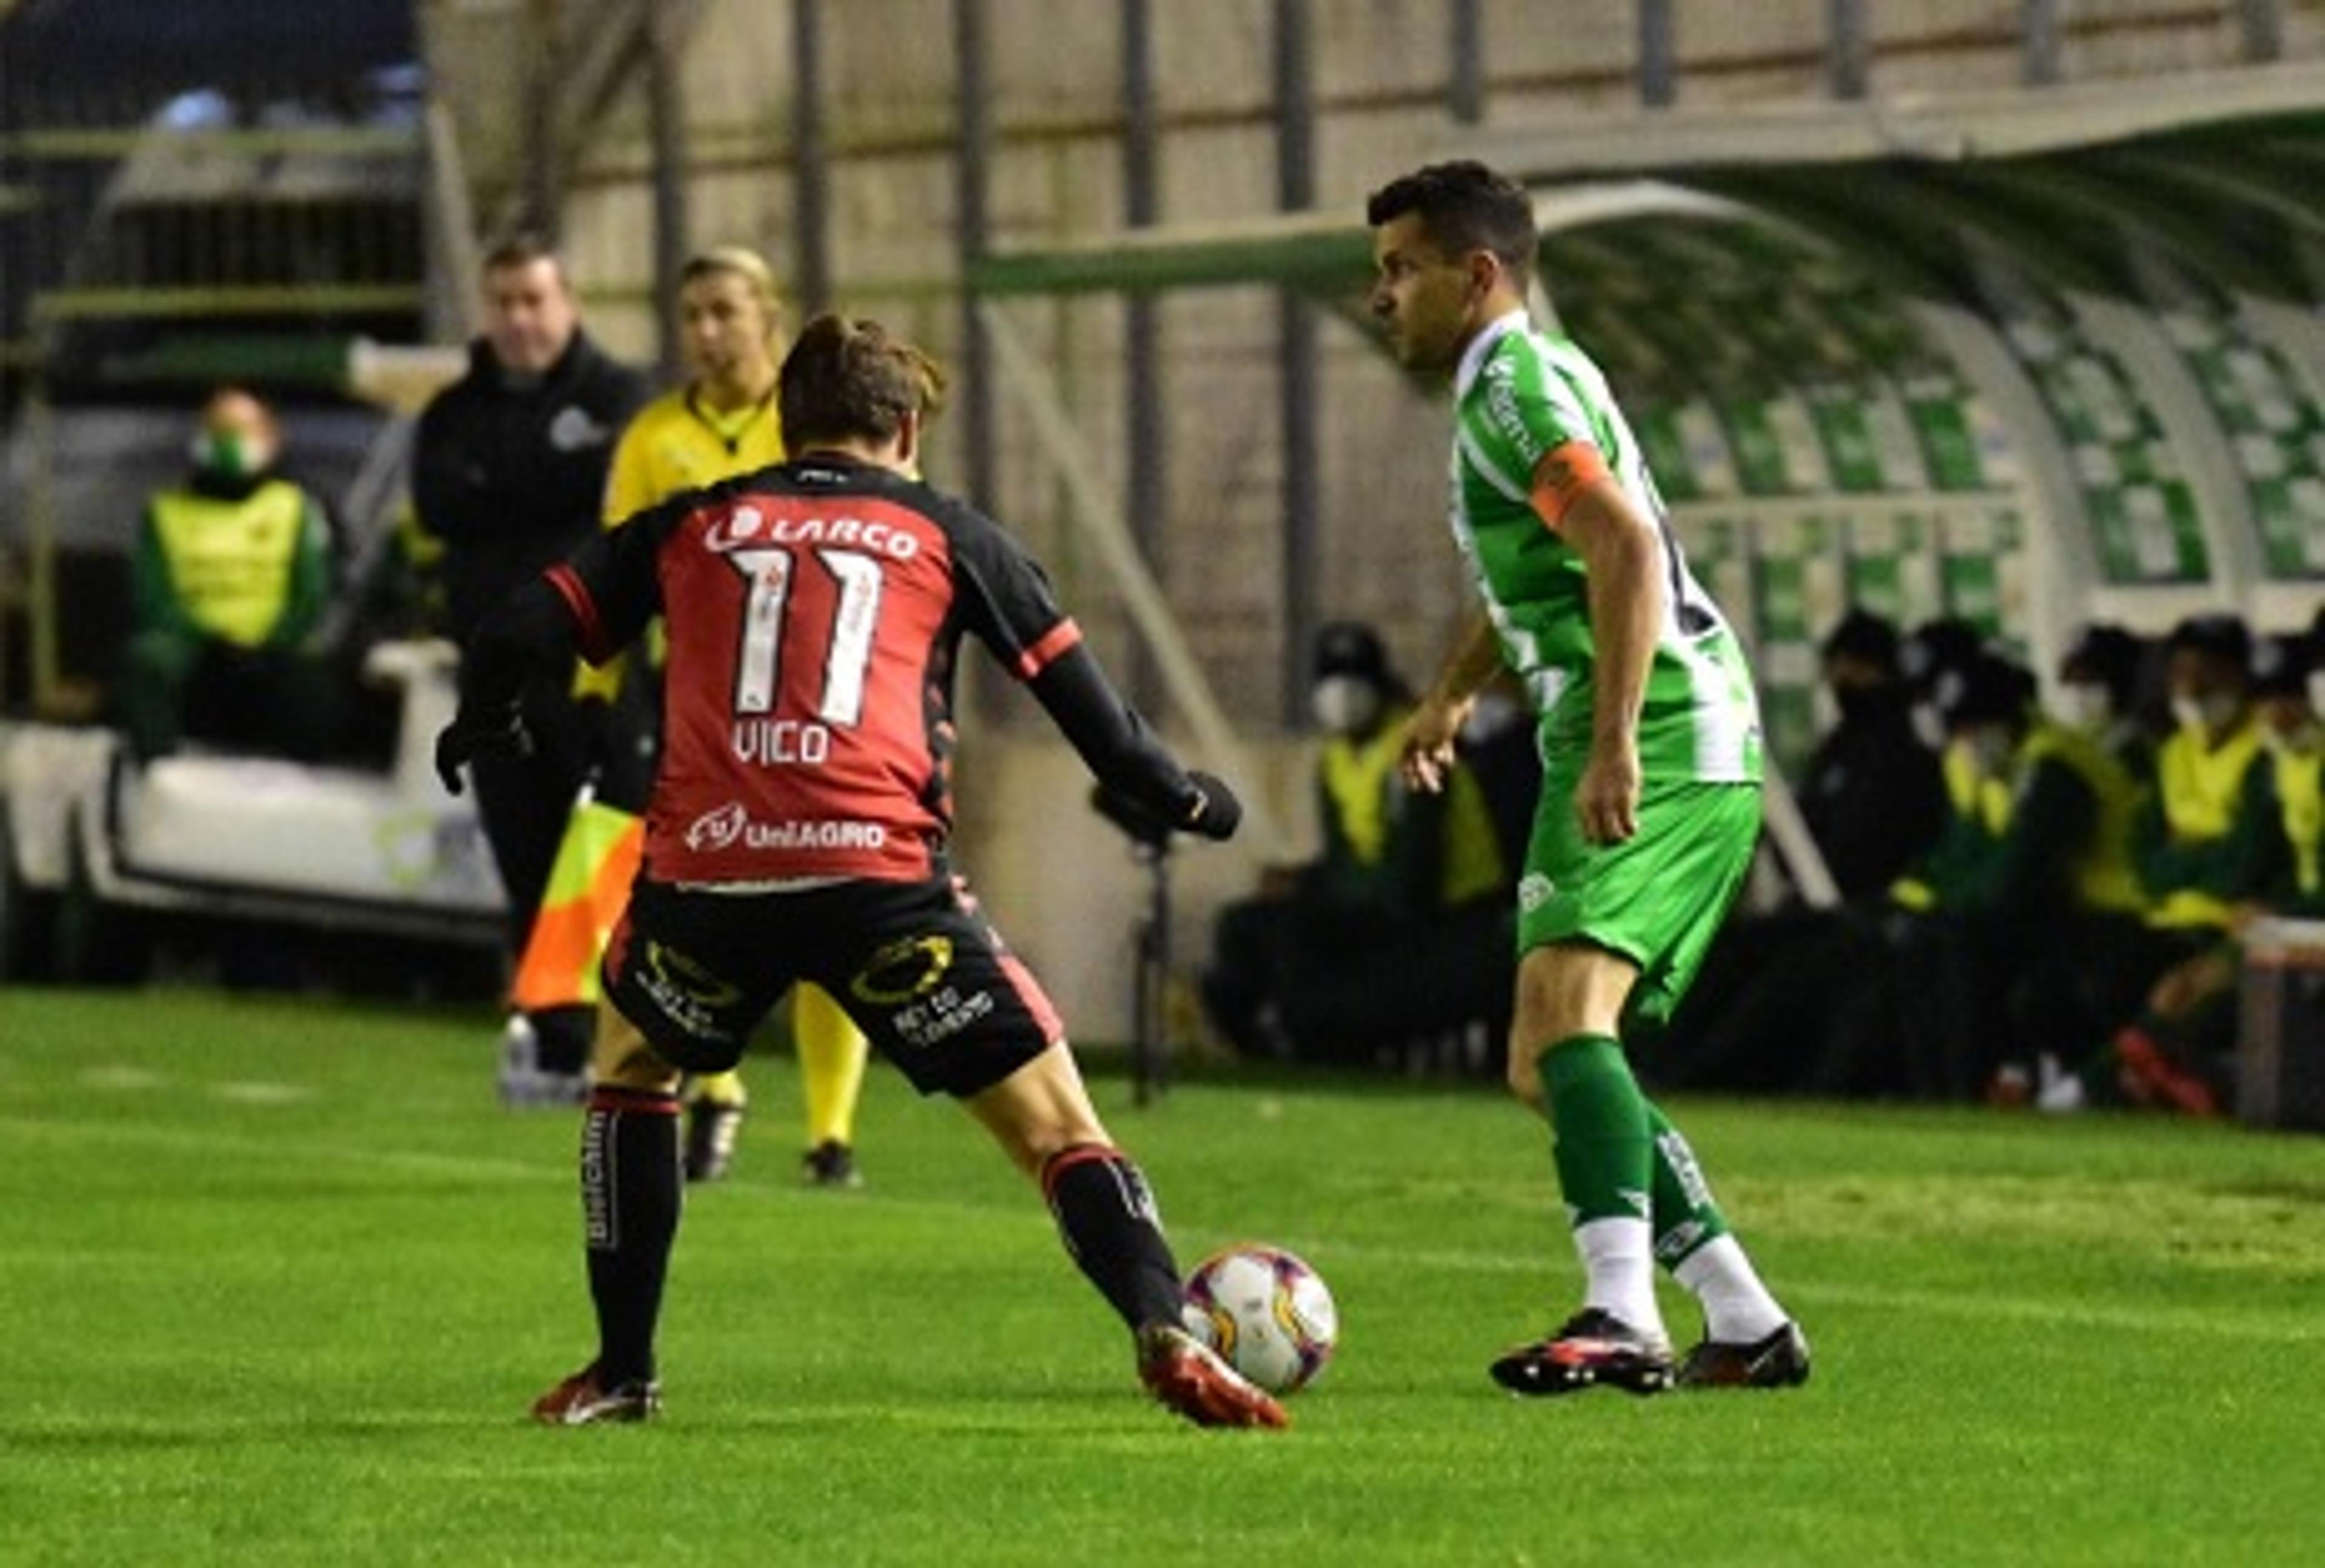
{"x":600,"y":736}
{"x":470,"y":736}
{"x":1217,"y":813}
{"x":1142,"y":826}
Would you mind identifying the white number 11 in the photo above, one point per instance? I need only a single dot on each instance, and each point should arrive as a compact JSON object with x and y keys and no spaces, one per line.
{"x":848,"y":651}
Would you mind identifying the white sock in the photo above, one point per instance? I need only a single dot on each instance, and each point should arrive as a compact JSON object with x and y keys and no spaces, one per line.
{"x":2061,"y":1093}
{"x":1736,"y":1307}
{"x":1618,"y":1257}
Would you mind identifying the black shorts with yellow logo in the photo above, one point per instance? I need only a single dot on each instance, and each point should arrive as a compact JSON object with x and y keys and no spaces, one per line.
{"x":915,"y":964}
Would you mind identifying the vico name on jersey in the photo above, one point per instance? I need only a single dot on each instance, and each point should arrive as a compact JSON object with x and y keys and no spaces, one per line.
{"x":777,"y":742}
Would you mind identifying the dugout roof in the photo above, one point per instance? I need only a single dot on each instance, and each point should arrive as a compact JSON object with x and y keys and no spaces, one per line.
{"x":2029,"y":356}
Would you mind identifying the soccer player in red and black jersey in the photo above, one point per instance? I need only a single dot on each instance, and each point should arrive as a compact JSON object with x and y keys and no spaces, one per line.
{"x":798,"y":830}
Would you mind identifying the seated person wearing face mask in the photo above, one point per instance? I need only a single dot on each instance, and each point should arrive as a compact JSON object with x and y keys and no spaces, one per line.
{"x":2061,"y":844}
{"x":2289,"y":687}
{"x":2211,"y":846}
{"x":2209,"y":838}
{"x":232,"y":571}
{"x":1388,"y":934}
{"x":2177,"y":1054}
{"x":2098,"y":694}
{"x":2034,"y":922}
{"x":1799,"y":998}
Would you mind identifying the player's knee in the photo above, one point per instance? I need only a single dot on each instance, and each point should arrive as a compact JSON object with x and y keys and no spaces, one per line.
{"x":640,"y":1070}
{"x":1039,"y":1134}
{"x":622,"y":1058}
{"x":1568,"y":989}
{"x":1071,"y":1132}
{"x":1546,"y":1011}
{"x":1032,"y":1143}
{"x":1523,"y":1075}
{"x":1039,"y":1110}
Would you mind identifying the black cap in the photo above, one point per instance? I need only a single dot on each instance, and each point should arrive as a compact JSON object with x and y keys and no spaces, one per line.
{"x":2107,"y":653}
{"x":2220,"y":633}
{"x":2280,"y":666}
{"x":1935,"y":648}
{"x":1353,"y":648}
{"x":1862,"y":635}
{"x":1988,"y":689}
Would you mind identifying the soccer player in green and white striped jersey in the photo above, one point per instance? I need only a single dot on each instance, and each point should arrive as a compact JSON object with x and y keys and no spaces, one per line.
{"x":1650,"y":802}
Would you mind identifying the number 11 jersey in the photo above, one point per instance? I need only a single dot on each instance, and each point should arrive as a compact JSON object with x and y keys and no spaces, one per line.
{"x":815,"y":613}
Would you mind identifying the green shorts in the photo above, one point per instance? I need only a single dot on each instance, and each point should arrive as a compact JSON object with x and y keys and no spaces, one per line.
{"x":1658,"y":899}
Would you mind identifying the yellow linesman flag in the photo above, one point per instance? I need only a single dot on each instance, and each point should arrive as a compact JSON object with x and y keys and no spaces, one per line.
{"x":588,"y":888}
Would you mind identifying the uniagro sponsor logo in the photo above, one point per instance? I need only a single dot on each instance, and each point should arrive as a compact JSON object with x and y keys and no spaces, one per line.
{"x":718,"y":828}
{"x":729,"y":826}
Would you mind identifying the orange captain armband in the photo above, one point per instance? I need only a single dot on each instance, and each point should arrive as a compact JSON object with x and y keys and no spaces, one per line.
{"x":1565,"y":471}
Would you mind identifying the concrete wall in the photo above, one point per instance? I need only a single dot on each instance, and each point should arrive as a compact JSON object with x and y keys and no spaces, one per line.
{"x":1065,"y":888}
{"x":1380,"y":69}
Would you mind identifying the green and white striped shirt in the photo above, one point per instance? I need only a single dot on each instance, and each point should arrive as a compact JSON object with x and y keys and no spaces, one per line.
{"x":1519,"y":393}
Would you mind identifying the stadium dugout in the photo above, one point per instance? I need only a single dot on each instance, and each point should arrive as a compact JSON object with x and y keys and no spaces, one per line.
{"x":2027,"y":359}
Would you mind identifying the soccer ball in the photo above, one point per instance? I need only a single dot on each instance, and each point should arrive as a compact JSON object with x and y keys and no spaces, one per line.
{"x":1266,"y":1312}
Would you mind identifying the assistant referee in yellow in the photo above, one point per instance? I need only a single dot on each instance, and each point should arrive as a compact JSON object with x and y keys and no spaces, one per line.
{"x":720,"y":423}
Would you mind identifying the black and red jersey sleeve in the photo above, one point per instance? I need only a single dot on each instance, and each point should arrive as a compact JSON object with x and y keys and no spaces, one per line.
{"x":1002,"y":596}
{"x":612,"y":585}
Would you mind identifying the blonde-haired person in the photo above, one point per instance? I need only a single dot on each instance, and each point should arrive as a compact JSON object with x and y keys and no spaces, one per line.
{"x":720,"y":423}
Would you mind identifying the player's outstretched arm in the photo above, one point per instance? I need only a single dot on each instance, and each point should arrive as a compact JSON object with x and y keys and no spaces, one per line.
{"x":531,"y":629}
{"x":1122,"y":754}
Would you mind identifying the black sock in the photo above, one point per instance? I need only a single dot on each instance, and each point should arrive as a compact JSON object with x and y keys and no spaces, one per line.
{"x":629,"y":1204}
{"x":1107,"y":1216}
{"x":561,"y":1037}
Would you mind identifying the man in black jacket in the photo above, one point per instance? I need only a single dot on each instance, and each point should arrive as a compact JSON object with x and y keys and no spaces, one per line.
{"x":509,"y":472}
{"x":1800,"y":998}
{"x":1872,"y":794}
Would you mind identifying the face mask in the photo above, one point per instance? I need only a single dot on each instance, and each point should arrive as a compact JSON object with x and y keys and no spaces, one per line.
{"x":1929,"y":726}
{"x":2086,"y":705}
{"x":1344,"y":704}
{"x":225,"y":454}
{"x":1859,"y":703}
{"x":1824,"y":709}
{"x":2297,"y":741}
{"x":2206,"y":713}
{"x":1993,"y":749}
{"x":1492,"y":714}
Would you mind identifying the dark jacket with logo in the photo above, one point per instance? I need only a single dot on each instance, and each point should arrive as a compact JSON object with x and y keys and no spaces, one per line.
{"x":512,"y":478}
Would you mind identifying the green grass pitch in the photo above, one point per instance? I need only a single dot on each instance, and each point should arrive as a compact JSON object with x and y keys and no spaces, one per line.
{"x":278,"y":1280}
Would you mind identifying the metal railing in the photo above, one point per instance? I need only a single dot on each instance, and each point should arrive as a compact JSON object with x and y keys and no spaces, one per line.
{"x":1856,"y":43}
